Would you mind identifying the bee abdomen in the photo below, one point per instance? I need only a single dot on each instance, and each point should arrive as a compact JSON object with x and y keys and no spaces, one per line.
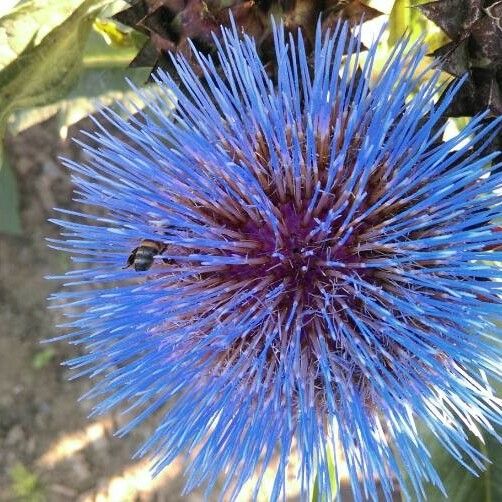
{"x":143,"y":259}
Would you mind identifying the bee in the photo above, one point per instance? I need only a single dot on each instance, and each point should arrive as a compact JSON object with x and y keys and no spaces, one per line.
{"x":141,"y":258}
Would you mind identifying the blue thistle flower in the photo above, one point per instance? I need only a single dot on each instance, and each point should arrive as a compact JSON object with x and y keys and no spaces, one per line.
{"x":292,"y":263}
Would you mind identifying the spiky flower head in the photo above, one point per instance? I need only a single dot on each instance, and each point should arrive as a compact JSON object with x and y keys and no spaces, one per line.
{"x":320,"y":267}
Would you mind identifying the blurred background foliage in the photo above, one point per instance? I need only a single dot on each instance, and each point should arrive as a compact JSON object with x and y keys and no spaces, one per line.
{"x":63,"y":58}
{"x":67,"y":58}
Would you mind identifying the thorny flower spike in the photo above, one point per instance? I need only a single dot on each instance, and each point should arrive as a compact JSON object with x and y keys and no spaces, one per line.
{"x":322,"y":268}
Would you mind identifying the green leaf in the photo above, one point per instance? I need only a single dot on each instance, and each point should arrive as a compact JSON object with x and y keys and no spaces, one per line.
{"x":25,"y":485}
{"x":460,"y":484}
{"x":96,"y":87}
{"x":398,"y":20}
{"x":108,"y":51}
{"x":406,"y":18}
{"x":6,"y":6}
{"x":44,"y":72}
{"x":117,"y":36}
{"x":108,"y":46}
{"x":318,"y":497}
{"x":10,"y":220}
{"x":31,"y":19}
{"x":42,"y":358}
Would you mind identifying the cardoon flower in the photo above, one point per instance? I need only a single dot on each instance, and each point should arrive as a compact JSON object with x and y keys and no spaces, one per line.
{"x":322,"y":267}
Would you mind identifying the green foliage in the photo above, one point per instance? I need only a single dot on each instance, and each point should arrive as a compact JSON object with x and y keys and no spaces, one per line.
{"x":30,"y":19}
{"x":10,"y":221}
{"x":398,"y":20}
{"x":93,"y":66}
{"x":405,"y":17}
{"x":120,"y":40}
{"x":42,"y":358}
{"x":109,"y":46}
{"x":6,"y":6}
{"x":102,"y":81}
{"x":460,"y":484}
{"x":58,"y":58}
{"x":95,"y":87}
{"x":25,"y":485}
{"x":319,"y":497}
{"x":43,"y":72}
